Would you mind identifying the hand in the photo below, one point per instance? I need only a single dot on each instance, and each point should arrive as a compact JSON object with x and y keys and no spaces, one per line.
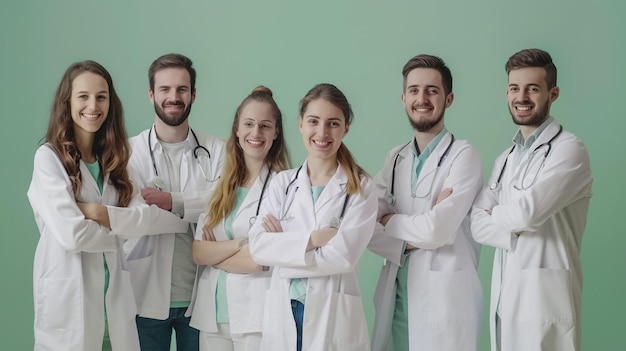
{"x":157,"y":197}
{"x":321,"y":237}
{"x":207,"y":233}
{"x":443,"y":195}
{"x":95,"y":212}
{"x":271,"y":224}
{"x":386,"y":218}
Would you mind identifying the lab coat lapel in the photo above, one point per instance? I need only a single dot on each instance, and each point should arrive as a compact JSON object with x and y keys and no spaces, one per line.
{"x":252,"y":198}
{"x":334,"y":190}
{"x":430,"y":166}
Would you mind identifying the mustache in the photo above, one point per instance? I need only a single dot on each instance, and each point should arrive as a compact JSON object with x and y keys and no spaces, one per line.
{"x":421,"y":104}
{"x":174,"y":103}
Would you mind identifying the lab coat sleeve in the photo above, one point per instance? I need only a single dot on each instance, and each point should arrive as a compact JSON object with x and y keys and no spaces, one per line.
{"x":565,"y":178}
{"x":483,"y":229}
{"x":51,"y":197}
{"x":281,"y":248}
{"x":439,"y":225}
{"x":139,"y":219}
{"x":343,"y":251}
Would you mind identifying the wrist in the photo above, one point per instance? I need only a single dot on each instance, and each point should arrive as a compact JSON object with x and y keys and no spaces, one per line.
{"x":243,"y":242}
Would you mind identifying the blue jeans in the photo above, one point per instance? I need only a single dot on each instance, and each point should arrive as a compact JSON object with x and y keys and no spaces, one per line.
{"x":297,"y":308}
{"x":156,"y":334}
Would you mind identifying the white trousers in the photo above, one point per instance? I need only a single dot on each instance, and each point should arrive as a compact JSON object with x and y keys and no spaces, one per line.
{"x":223,"y":340}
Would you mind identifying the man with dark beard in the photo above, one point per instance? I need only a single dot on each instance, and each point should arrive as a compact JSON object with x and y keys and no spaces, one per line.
{"x":534,"y":213}
{"x":428,"y":296}
{"x":176,"y":169}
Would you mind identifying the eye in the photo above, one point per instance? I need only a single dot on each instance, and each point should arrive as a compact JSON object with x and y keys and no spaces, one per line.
{"x":312,"y":121}
{"x":335,"y":124}
{"x":265,"y":126}
{"x":433,"y":91}
{"x":82,"y":96}
{"x":102,"y":97}
{"x":412,"y":91}
{"x":513,"y":89}
{"x":533,"y":89}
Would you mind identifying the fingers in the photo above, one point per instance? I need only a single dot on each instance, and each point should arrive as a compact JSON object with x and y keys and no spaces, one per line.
{"x":207,"y":233}
{"x":271,"y":224}
{"x":445,"y":193}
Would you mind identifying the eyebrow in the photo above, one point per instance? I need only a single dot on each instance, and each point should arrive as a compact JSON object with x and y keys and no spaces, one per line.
{"x":426,"y":86}
{"x":86,"y":92}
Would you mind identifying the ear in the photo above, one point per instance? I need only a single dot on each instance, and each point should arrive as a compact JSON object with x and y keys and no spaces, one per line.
{"x":554,"y":93}
{"x":151,"y":95}
{"x":449,"y":99}
{"x":347,"y":130}
{"x":403,"y":99}
{"x":193,"y":95}
{"x":276,"y":133}
{"x":300,"y":125}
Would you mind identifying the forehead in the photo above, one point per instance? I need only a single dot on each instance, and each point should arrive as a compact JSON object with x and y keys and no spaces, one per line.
{"x":528,"y":75}
{"x":88,"y":81}
{"x":424,"y":76}
{"x":323,"y":109}
{"x":172,"y":77}
{"x":258,"y":111}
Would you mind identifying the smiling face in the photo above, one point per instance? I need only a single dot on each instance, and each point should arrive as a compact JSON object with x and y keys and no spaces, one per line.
{"x":323,"y":126}
{"x":89,"y":103}
{"x":256,"y":130}
{"x":424,"y":100}
{"x":528,"y":96}
{"x":172,"y":95}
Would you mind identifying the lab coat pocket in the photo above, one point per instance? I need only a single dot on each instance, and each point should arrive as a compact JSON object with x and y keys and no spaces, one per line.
{"x":60,"y":304}
{"x":347,"y":329}
{"x":546,"y":296}
{"x":452,"y":298}
{"x":246,"y":300}
{"x":140,"y":269}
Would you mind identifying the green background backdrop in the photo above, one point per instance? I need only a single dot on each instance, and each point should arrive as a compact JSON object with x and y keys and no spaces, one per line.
{"x":359,"y":46}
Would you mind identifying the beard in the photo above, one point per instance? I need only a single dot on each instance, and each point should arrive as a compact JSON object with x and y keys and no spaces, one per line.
{"x":425,"y":125}
{"x":533,"y":120}
{"x":170,"y":120}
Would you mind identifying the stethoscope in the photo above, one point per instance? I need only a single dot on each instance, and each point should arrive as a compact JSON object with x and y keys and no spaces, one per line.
{"x":258,"y":206}
{"x":495,"y":185}
{"x":335,"y":222}
{"x":391,"y":198}
{"x":158,"y":182}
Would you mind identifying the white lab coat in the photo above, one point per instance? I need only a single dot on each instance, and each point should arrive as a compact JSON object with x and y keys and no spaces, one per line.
{"x":150,"y":258}
{"x":246,"y":292}
{"x":540,"y":289}
{"x":445,"y":295}
{"x":334,"y":319}
{"x":68,"y":274}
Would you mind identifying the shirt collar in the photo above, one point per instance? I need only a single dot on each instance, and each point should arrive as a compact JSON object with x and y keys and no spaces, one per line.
{"x":519,"y":141}
{"x":430,"y":147}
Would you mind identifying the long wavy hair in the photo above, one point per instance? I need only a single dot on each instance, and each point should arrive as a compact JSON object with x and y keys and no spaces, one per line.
{"x":111,"y":141}
{"x":235,"y":172}
{"x":333,"y":95}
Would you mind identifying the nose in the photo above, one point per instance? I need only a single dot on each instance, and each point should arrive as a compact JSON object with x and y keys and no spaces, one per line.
{"x":256,"y":128}
{"x":91,"y":103}
{"x":421,"y":96}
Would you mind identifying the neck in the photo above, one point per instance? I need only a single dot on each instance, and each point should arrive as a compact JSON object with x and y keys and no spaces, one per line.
{"x":320,"y":171}
{"x":527,"y":131}
{"x":424,"y":138}
{"x":254,"y":168}
{"x":170,"y":134}
{"x":84,"y":142}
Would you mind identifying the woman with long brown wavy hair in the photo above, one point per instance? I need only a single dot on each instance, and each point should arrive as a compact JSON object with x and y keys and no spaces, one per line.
{"x":230,"y":294}
{"x":82,"y":292}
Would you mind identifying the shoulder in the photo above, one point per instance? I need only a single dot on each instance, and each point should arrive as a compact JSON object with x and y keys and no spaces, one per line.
{"x":139,"y":139}
{"x":45,"y":155}
{"x":462,"y":146}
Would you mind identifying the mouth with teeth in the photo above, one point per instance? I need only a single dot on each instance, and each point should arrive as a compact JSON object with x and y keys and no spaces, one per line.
{"x":91,"y":116}
{"x":321,"y":144}
{"x":523,"y":109}
{"x":255,"y":143}
{"x":422,"y":108}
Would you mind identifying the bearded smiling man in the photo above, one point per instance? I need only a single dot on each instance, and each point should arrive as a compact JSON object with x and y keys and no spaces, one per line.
{"x":176,"y":169}
{"x":534,"y":213}
{"x":428,"y":296}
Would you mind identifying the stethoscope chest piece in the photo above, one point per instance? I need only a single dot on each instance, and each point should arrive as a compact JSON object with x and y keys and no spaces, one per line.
{"x":391,"y":199}
{"x":158,"y":183}
{"x":334,"y":222}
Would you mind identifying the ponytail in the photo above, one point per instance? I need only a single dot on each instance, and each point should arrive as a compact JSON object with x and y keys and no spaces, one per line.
{"x":352,"y":170}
